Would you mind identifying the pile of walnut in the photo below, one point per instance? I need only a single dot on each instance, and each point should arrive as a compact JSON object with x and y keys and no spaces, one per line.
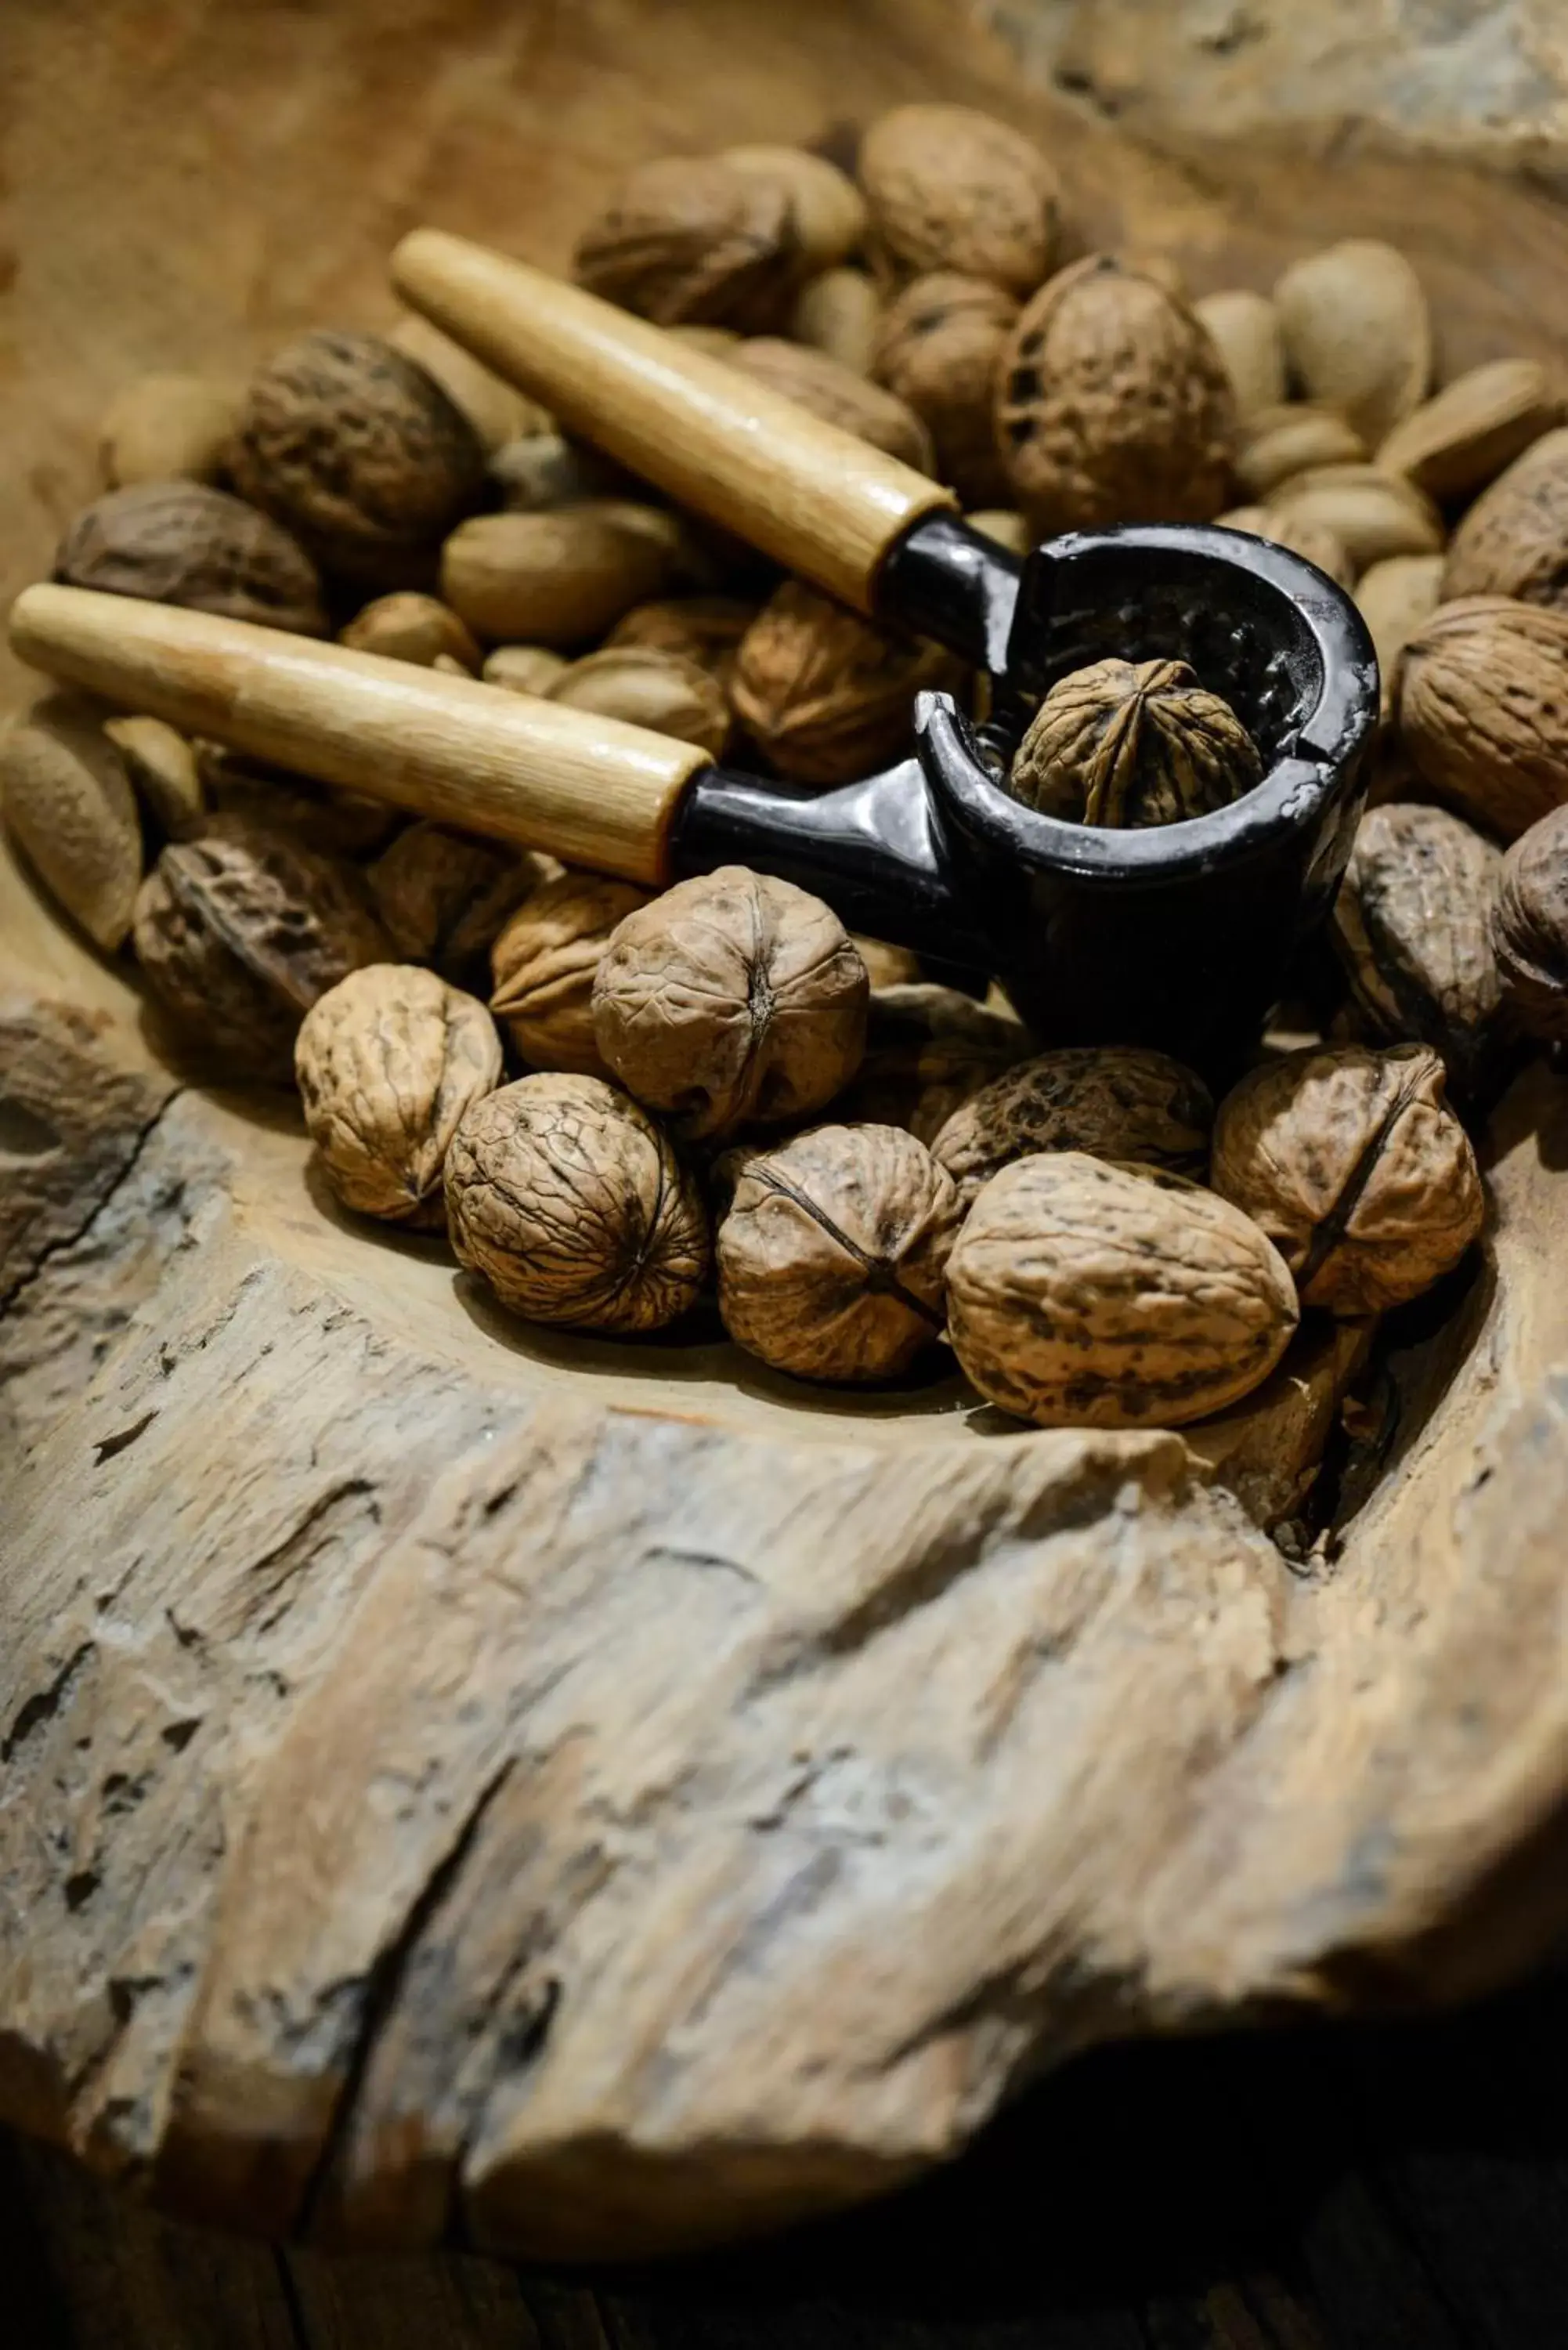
{"x":1092,"y":1238}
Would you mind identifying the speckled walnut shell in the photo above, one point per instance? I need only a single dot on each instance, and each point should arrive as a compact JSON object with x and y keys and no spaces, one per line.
{"x":1482,"y":703}
{"x":832,"y":1254}
{"x":732,"y":1000}
{"x":691,"y":239}
{"x":828,"y":389}
{"x":387,"y":1063}
{"x":315,"y":815}
{"x":1083,"y":1294}
{"x":543,"y":966}
{"x":938,"y":347}
{"x":1125,"y":742}
{"x":570,"y":1203}
{"x":1529,"y":928}
{"x":1114,"y":405}
{"x":950,"y":188}
{"x":929,"y":1050}
{"x":825,"y":695}
{"x":1411,"y":927}
{"x":360,"y":452}
{"x":443,"y":896}
{"x":1109,"y":1101}
{"x":240,"y":931}
{"x":185,"y":543}
{"x":1355,"y":1168}
{"x":1514,"y":539}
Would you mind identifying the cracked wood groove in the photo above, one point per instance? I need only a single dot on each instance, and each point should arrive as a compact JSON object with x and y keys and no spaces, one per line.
{"x":461,"y":1783}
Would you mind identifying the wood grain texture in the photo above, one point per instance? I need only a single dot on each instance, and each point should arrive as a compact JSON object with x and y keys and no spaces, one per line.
{"x":461,"y":1782}
{"x":589,"y":790}
{"x":816,"y":499}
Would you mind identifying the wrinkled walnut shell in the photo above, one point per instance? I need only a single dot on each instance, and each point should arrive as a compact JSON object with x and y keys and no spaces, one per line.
{"x":831,"y":1256}
{"x":1482,"y":690}
{"x":1114,"y":404}
{"x":732,"y":999}
{"x":387,"y":1063}
{"x":1529,"y":928}
{"x":1355,"y":1168}
{"x":938,"y":347}
{"x":1411,"y":927}
{"x":443,"y":895}
{"x":690,"y":238}
{"x":359,"y":451}
{"x":1124,"y":743}
{"x":185,"y":543}
{"x":240,"y":931}
{"x":1081,"y":1294}
{"x":543,"y":966}
{"x":950,"y":188}
{"x":1108,"y":1101}
{"x":827,"y":695}
{"x":570,"y":1203}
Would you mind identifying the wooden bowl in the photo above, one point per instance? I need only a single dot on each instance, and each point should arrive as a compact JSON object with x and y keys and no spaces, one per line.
{"x":586,"y":1800}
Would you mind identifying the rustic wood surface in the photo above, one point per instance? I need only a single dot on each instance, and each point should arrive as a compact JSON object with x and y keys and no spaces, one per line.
{"x":464,"y":1782}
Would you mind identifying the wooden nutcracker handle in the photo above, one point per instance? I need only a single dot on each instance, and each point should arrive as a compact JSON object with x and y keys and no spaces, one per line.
{"x":589,"y":790}
{"x":816,"y":499}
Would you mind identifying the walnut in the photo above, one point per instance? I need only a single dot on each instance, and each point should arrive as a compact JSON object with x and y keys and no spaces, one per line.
{"x":927,"y":1050}
{"x":1412,"y":929}
{"x":1108,"y":1101}
{"x":832,"y":1254}
{"x":1355,"y":1168}
{"x":1357,"y":333}
{"x":185,"y":543}
{"x":1529,"y":928}
{"x":543,"y":966}
{"x":1125,"y":742}
{"x":938,"y":347}
{"x":642,"y":686}
{"x":1514,"y":539}
{"x":1084,"y":1293}
{"x":387,"y":1062}
{"x":165,"y":772}
{"x":827,"y":695}
{"x":835,"y":394}
{"x":827,"y":210}
{"x":692,"y":238}
{"x":443,"y":895}
{"x":1114,"y":404}
{"x":950,"y":188}
{"x":67,"y":800}
{"x":409,"y":627}
{"x":706,"y":630}
{"x":734,"y":999}
{"x":239,"y":932}
{"x":359,"y":451}
{"x":566,"y":1198}
{"x":561,"y":579}
{"x":1483,"y":688}
{"x":167,"y":428}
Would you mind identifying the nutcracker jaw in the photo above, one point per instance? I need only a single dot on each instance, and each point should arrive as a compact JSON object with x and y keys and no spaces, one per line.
{"x":1175,"y":935}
